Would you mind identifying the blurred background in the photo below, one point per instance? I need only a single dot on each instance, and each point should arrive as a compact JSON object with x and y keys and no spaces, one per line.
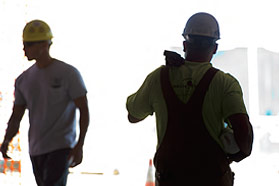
{"x":115,"y":45}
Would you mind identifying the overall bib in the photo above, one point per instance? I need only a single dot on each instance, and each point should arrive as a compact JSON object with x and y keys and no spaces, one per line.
{"x":188,"y":155}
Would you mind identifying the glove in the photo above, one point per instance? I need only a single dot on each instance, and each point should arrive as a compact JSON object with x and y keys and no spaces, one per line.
{"x":173,"y":58}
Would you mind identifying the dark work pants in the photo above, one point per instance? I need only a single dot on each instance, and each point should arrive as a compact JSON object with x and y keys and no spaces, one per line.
{"x":51,"y":169}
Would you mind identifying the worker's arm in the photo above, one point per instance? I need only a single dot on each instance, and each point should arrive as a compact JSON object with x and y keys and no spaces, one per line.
{"x":138,"y":104}
{"x":13,"y":127}
{"x":77,"y":152}
{"x":243,"y":133}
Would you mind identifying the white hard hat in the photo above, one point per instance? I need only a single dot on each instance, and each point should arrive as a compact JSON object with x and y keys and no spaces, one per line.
{"x":202,"y":24}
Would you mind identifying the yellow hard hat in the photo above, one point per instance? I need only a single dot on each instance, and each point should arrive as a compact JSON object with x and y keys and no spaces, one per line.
{"x":36,"y":30}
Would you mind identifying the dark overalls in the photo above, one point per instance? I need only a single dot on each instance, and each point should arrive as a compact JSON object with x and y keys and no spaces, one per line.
{"x":188,"y":155}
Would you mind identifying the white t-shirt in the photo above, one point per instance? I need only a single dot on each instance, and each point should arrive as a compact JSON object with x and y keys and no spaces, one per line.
{"x":48,"y":94}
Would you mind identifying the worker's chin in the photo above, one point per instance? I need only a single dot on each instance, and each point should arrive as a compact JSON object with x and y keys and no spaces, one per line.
{"x":29,"y":58}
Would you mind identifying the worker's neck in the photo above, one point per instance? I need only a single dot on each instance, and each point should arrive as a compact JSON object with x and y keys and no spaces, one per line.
{"x":198,"y":58}
{"x":44,"y":61}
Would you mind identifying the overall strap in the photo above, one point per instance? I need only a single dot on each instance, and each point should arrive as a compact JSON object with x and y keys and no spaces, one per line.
{"x":199,"y":93}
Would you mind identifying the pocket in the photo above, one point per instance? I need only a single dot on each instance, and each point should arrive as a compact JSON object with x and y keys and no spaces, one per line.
{"x":56,"y":95}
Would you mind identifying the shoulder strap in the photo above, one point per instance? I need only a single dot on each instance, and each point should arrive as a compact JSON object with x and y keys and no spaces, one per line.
{"x":199,"y":92}
{"x":202,"y":87}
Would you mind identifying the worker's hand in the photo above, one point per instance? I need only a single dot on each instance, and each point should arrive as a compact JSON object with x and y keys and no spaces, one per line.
{"x":4,"y":149}
{"x":75,"y":156}
{"x":173,"y":58}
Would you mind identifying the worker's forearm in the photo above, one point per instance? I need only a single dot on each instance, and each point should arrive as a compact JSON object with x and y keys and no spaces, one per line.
{"x":244,"y":142}
{"x":243,"y":132}
{"x":12,"y":130}
{"x":244,"y":138}
{"x":14,"y":122}
{"x":84,"y":122}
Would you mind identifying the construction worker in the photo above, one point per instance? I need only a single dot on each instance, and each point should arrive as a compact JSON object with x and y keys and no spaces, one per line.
{"x":51,"y":90}
{"x":192,"y":101}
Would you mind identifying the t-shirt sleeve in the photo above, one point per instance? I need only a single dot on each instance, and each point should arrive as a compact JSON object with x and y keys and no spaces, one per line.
{"x":77,"y":87}
{"x":233,"y":102}
{"x":19,"y":98}
{"x":138,"y":104}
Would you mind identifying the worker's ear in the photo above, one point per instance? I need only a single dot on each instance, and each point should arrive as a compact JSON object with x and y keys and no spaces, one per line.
{"x":216,"y":48}
{"x":44,"y":44}
{"x":184,"y":46}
